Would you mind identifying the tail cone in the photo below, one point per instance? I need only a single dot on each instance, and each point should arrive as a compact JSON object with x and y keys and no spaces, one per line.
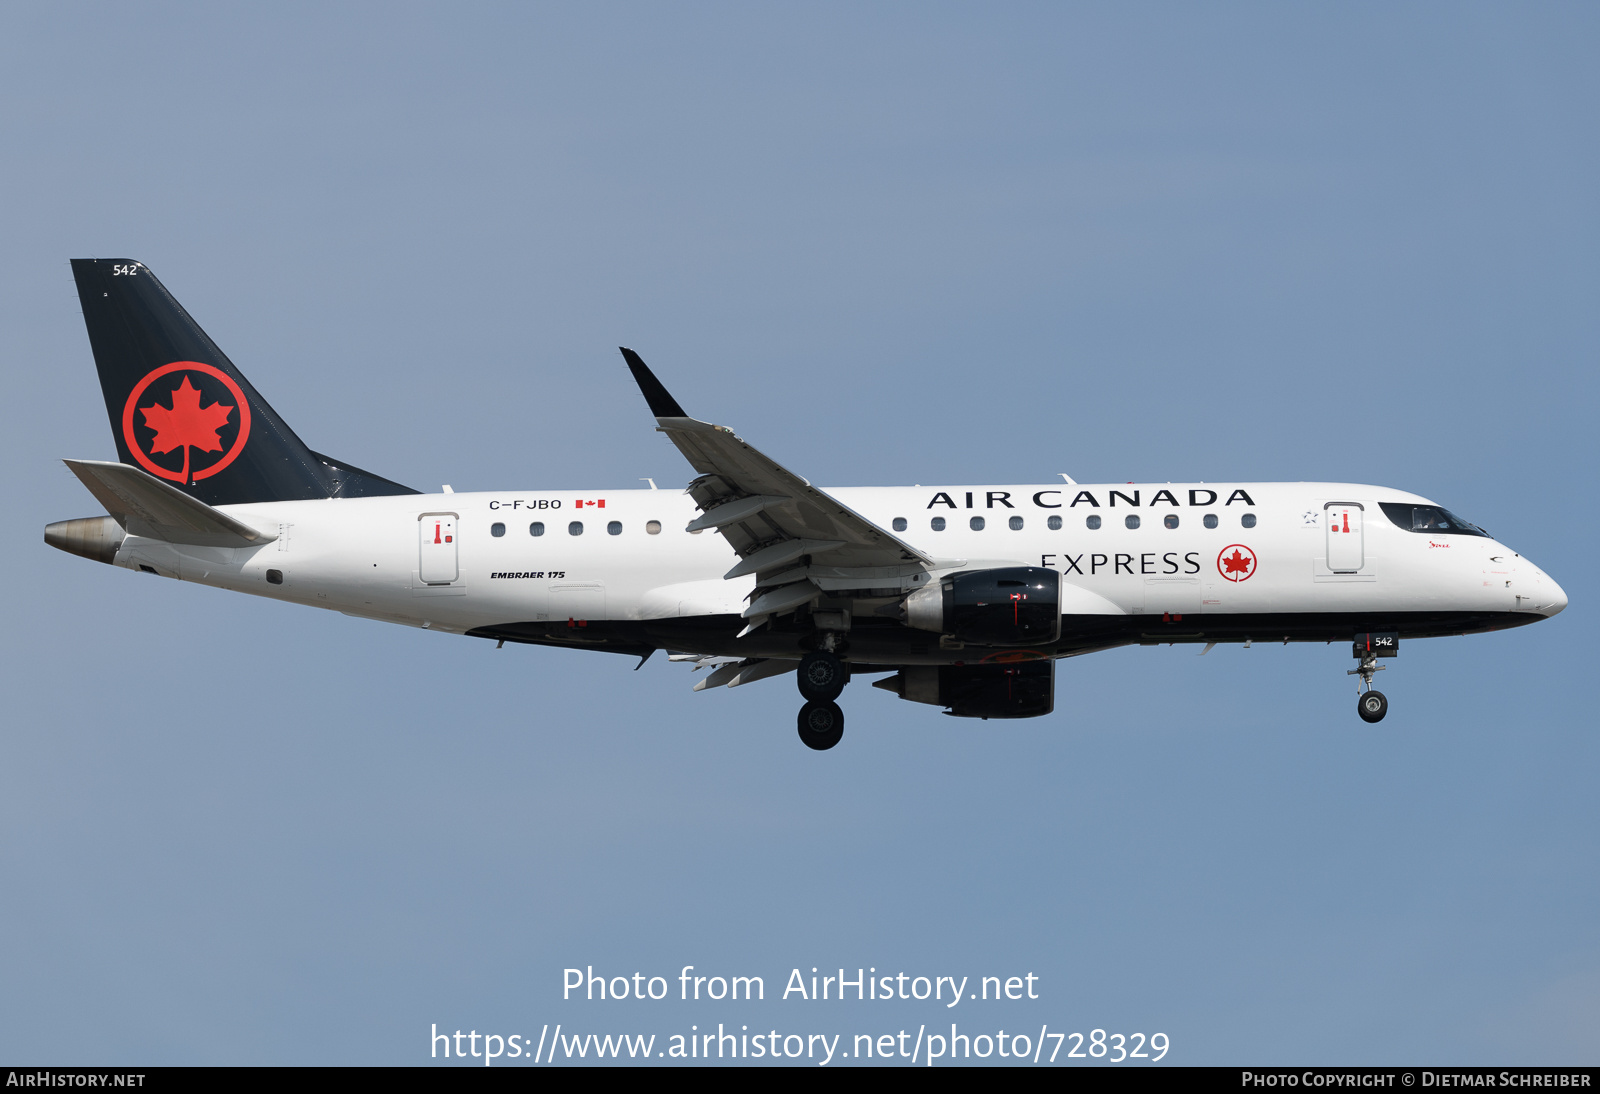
{"x":91,"y":537}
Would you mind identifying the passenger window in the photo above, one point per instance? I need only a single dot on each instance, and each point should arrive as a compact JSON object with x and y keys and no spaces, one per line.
{"x":937,"y":524}
{"x":497,"y":529}
{"x":575,"y":528}
{"x":976,"y":523}
{"x":1093,"y":522}
{"x":1210,"y":520}
{"x":1132,"y":520}
{"x":614,"y":528}
{"x":652,"y":528}
{"x":1170,"y":520}
{"x":536,"y":528}
{"x":1248,"y":520}
{"x":1016,"y":524}
{"x":1054,"y":524}
{"x":899,"y":524}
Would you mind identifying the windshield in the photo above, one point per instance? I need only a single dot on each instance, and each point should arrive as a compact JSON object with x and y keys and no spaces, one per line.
{"x":1429,"y":519}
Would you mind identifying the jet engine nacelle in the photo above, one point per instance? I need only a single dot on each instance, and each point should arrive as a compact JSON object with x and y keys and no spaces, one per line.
{"x":1019,"y":689}
{"x":1014,"y":606}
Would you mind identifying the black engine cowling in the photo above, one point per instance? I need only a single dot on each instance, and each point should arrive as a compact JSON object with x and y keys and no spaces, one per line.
{"x":1020,"y":689}
{"x":1015,"y":606}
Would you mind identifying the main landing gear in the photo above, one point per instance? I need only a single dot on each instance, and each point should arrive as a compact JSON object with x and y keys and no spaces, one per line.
{"x":822,"y":678}
{"x":1372,"y":705}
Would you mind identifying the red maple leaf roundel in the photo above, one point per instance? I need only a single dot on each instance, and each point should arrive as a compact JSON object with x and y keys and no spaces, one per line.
{"x":1236,"y":562}
{"x":187,"y":423}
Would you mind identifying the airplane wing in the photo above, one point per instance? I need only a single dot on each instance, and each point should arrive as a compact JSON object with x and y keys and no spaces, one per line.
{"x":146,"y":506}
{"x":784,"y":530}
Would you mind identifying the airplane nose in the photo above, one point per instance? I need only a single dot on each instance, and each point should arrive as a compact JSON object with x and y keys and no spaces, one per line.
{"x":1553,"y":600}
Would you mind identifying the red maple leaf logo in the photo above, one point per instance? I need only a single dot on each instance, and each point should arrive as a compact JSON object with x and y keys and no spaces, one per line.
{"x":186,"y":423}
{"x":1236,"y":562}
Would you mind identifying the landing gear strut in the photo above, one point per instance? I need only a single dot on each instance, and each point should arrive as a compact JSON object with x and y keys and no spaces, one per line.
{"x":1372,"y":705}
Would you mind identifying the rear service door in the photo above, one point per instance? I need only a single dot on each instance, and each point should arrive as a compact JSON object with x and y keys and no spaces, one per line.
{"x":1345,"y":550}
{"x":436,"y":545}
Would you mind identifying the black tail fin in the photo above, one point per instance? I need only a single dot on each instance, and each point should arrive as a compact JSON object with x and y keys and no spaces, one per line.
{"x":180,"y":410}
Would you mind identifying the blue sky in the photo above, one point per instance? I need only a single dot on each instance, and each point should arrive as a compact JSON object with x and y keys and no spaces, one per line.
{"x":887,"y":244}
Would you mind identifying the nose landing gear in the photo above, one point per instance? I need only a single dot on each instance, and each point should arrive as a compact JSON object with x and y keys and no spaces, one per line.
{"x":1372,"y":705}
{"x":821,"y":678}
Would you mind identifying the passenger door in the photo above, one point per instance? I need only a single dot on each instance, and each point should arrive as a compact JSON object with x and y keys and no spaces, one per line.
{"x":1345,"y":548}
{"x":437,"y":548}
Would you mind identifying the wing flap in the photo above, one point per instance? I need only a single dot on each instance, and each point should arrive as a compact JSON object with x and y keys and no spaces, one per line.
{"x":732,"y":512}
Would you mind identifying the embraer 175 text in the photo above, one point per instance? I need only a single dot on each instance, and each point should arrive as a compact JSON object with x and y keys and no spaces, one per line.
{"x":966,"y":594}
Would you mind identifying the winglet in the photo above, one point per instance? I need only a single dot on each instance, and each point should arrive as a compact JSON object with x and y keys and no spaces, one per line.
{"x":662,"y":405}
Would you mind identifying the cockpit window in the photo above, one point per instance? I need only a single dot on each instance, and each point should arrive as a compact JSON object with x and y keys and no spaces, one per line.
{"x":1429,"y":519}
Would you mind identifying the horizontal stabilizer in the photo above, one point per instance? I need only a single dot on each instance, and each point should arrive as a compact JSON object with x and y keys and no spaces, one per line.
{"x":146,"y":506}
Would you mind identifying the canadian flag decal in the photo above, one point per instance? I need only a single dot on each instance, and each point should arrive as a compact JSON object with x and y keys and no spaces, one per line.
{"x":580,"y":503}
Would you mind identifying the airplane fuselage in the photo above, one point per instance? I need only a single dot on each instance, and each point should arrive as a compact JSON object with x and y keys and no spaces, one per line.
{"x":615,"y":569}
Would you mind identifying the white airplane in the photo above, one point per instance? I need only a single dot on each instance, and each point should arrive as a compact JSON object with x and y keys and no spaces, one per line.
{"x":966,"y":594}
